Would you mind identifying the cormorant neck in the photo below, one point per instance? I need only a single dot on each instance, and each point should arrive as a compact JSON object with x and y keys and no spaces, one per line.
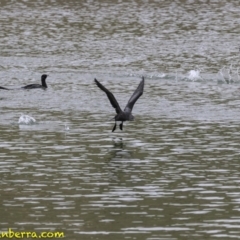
{"x":44,"y":83}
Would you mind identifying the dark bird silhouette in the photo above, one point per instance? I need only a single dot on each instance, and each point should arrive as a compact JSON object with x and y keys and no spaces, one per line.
{"x":125,"y":115}
{"x":4,"y":88}
{"x":32,"y":86}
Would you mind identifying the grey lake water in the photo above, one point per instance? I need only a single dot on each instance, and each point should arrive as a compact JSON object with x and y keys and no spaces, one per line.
{"x":174,"y":172}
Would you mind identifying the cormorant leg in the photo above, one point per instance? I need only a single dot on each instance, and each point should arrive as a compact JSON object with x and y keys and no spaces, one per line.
{"x":114,"y":127}
{"x":121,"y":125}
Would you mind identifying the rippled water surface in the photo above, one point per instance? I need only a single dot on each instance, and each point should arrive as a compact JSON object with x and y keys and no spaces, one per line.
{"x":173,"y":173}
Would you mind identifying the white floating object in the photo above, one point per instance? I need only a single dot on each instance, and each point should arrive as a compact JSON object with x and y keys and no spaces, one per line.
{"x":25,"y":119}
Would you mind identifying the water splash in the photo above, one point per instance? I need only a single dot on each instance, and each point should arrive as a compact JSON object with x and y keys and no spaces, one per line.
{"x":26,"y":120}
{"x":194,"y":75}
{"x":66,"y":127}
{"x":230,"y":74}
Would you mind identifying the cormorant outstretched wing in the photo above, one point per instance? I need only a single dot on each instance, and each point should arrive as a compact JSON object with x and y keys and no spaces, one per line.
{"x":110,"y":96}
{"x":136,"y":95}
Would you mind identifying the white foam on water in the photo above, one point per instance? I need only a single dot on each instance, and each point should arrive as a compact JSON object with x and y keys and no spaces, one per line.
{"x":26,"y":120}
